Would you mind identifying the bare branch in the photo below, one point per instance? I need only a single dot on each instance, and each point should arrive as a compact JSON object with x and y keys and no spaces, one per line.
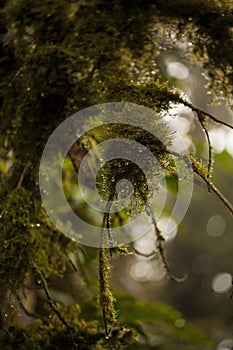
{"x":209,"y":148}
{"x":201,"y":112}
{"x":70,"y":329}
{"x":160,"y":247}
{"x":144,"y":254}
{"x":201,"y":173}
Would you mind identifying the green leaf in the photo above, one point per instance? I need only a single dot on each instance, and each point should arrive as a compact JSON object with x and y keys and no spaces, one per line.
{"x":163,"y":321}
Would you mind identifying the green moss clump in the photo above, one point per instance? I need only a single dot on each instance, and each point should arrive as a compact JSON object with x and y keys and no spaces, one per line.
{"x":106,"y":298}
{"x":86,"y":336}
{"x":17,"y":247}
{"x":115,"y":170}
{"x":52,"y":246}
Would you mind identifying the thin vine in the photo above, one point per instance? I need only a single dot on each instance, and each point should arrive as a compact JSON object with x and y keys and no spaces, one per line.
{"x":106,"y":298}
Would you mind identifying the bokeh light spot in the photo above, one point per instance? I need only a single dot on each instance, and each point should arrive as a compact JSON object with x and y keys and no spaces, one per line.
{"x":177,"y":70}
{"x":221,"y":283}
{"x":141,"y":271}
{"x":226,"y":344}
{"x":216,"y":226}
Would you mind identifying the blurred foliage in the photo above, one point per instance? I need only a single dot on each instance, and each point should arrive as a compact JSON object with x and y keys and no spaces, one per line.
{"x":58,"y":57}
{"x":159,"y":325}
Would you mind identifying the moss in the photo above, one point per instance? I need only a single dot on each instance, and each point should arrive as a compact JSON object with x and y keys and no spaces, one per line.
{"x":17,"y":246}
{"x":87,"y":336}
{"x":115,"y":170}
{"x":106,"y":298}
{"x":60,"y":57}
{"x":52,"y":246}
{"x":198,"y":167}
{"x":153,"y":94}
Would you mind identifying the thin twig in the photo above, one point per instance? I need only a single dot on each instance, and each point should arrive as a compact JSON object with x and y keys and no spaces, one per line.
{"x":68,"y":258}
{"x":159,"y":245}
{"x":199,"y":112}
{"x":209,"y":149}
{"x":201,"y":173}
{"x":217,"y":192}
{"x":19,"y":184}
{"x":51,"y":303}
{"x":144,"y":254}
{"x":208,"y":182}
{"x":70,"y":329}
{"x":15,"y":76}
{"x":29,"y":313}
{"x":71,"y":263}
